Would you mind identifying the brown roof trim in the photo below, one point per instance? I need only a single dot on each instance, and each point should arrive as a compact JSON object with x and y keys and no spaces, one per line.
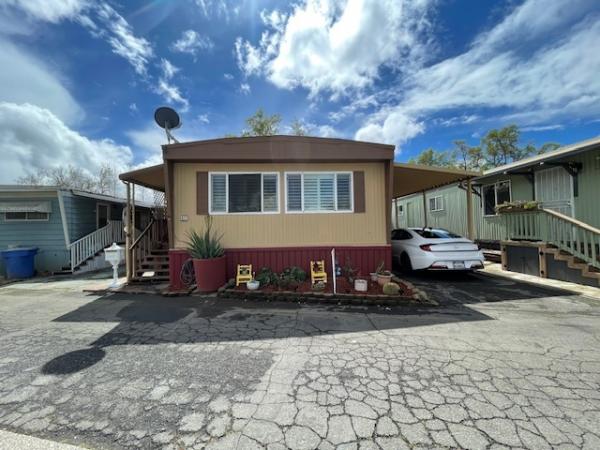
{"x":278,"y":149}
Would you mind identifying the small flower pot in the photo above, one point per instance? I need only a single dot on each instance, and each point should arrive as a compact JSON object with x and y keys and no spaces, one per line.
{"x":361,"y":285}
{"x":252,"y":285}
{"x":211,"y":273}
{"x":384,"y":278}
{"x":373,"y":276}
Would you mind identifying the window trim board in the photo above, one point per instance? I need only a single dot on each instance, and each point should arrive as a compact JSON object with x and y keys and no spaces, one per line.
{"x":495,"y":186}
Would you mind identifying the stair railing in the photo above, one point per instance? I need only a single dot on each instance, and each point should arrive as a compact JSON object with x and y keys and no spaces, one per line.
{"x":570,"y":235}
{"x":145,"y":242}
{"x":86,"y":247}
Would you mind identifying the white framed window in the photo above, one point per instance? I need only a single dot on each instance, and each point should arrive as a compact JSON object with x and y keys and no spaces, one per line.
{"x":319,"y":192}
{"x":26,"y":216}
{"x":436,"y":203}
{"x":495,"y":194}
{"x":243,"y":193}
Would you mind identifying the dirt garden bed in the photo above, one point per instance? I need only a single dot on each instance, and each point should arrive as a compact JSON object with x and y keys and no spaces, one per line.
{"x":303,"y":292}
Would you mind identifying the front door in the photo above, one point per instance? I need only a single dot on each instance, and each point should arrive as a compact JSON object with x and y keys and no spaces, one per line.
{"x":554,"y":190}
{"x":102,"y":215}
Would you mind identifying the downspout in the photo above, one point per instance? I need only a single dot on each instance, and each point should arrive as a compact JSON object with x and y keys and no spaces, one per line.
{"x":470,"y":224}
{"x":424,"y":209}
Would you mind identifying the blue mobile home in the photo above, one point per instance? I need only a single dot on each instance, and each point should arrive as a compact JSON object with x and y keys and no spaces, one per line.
{"x":69,"y":227}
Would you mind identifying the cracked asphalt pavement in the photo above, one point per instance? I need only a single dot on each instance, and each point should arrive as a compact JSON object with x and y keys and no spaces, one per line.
{"x":499,"y":364}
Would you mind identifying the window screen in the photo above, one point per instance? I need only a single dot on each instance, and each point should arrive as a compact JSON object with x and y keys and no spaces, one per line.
{"x":244,"y":193}
{"x":502,"y":192}
{"x":29,"y":215}
{"x":218,"y":192}
{"x":344,"y":200}
{"x":270,"y":193}
{"x":294,"y":192}
{"x":489,"y":200}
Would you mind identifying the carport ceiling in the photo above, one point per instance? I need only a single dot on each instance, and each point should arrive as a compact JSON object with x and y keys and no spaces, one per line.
{"x":151,"y":177}
{"x":412,"y":178}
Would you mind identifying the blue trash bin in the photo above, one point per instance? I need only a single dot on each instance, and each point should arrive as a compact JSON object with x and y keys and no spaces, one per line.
{"x":19,"y":262}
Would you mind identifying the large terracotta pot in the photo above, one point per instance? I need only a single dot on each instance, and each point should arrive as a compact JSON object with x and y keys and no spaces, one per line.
{"x":211,"y":274}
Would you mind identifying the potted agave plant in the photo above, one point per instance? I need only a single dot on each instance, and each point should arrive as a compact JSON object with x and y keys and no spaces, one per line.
{"x":209,"y":258}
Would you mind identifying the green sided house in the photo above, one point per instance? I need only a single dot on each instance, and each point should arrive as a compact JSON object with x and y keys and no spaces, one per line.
{"x":559,"y":239}
{"x":69,"y":228}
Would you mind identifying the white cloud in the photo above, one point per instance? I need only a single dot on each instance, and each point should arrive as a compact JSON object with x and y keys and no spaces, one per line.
{"x":149,"y":139}
{"x":543,"y":127}
{"x":228,"y":76}
{"x":536,"y":73}
{"x":219,"y":8}
{"x":203,"y":118}
{"x":245,"y":88}
{"x":390,"y":128}
{"x":336,"y":45}
{"x":34,"y":138}
{"x":123,"y":41}
{"x":49,"y":10}
{"x":168,"y":69}
{"x":169,"y":91}
{"x":25,"y":79}
{"x":192,"y":43}
{"x":133,"y":107}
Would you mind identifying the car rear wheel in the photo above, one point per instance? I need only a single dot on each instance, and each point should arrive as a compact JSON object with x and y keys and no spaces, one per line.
{"x":405,"y":263}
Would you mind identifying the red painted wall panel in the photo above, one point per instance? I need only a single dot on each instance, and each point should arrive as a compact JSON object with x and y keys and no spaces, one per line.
{"x":176,"y":260}
{"x":365,"y":259}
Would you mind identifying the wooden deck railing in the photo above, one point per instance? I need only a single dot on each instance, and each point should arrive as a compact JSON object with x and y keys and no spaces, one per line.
{"x":564,"y":232}
{"x":86,"y":247}
{"x":145,"y":242}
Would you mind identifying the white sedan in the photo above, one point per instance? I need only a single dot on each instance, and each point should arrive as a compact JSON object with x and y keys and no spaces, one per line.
{"x":434,"y":248}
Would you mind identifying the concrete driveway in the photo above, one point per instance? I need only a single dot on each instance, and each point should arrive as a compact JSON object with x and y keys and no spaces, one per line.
{"x":519,"y":370}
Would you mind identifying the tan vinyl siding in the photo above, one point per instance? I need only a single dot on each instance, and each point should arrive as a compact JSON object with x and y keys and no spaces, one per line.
{"x":282,"y":230}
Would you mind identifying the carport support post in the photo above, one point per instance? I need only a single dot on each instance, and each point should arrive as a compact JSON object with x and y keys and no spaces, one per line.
{"x":128,"y":234}
{"x":424,"y":209}
{"x":470,"y":226}
{"x":396,"y":212}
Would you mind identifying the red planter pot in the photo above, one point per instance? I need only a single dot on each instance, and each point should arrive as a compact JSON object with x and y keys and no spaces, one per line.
{"x":210,"y":273}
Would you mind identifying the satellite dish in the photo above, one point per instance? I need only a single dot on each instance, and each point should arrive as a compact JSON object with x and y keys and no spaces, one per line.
{"x":167,"y":119}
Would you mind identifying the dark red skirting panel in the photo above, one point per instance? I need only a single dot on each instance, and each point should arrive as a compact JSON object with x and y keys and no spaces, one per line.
{"x":365,"y":259}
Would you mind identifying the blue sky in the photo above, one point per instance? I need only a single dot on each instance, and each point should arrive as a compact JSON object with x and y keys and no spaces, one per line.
{"x":82,"y":78}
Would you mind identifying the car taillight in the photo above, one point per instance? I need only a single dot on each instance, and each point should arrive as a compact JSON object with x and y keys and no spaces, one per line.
{"x":426,"y":247}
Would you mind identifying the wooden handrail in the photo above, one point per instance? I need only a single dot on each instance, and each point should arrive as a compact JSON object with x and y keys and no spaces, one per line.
{"x":141,"y":236}
{"x":575,"y":222}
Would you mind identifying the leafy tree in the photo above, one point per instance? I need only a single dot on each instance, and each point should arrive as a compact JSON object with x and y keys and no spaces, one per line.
{"x":498,"y":147}
{"x":260,"y":124}
{"x":548,"y":147}
{"x":431,"y":157}
{"x":298,"y":128}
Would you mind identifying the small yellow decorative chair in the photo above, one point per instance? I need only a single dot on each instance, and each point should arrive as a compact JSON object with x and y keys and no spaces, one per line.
{"x":244,"y":274}
{"x":317,"y":272}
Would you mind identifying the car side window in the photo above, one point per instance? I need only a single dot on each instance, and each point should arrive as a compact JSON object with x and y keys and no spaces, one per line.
{"x":401,"y":235}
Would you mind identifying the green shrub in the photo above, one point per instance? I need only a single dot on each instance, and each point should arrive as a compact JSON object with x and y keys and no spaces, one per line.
{"x":206,"y":245}
{"x":267,"y":277}
{"x":391,"y":288}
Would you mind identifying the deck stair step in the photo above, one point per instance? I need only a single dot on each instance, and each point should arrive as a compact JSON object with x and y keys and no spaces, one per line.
{"x":573,"y":262}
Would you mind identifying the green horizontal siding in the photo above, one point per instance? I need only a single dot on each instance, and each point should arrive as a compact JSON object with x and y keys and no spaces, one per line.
{"x":587,"y":204}
{"x":47,"y":236}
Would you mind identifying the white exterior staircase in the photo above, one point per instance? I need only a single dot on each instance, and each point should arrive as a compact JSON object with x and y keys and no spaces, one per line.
{"x":87,"y":253}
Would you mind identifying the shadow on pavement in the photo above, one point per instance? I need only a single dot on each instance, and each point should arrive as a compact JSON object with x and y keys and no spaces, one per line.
{"x":152,"y":320}
{"x":461,"y":288}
